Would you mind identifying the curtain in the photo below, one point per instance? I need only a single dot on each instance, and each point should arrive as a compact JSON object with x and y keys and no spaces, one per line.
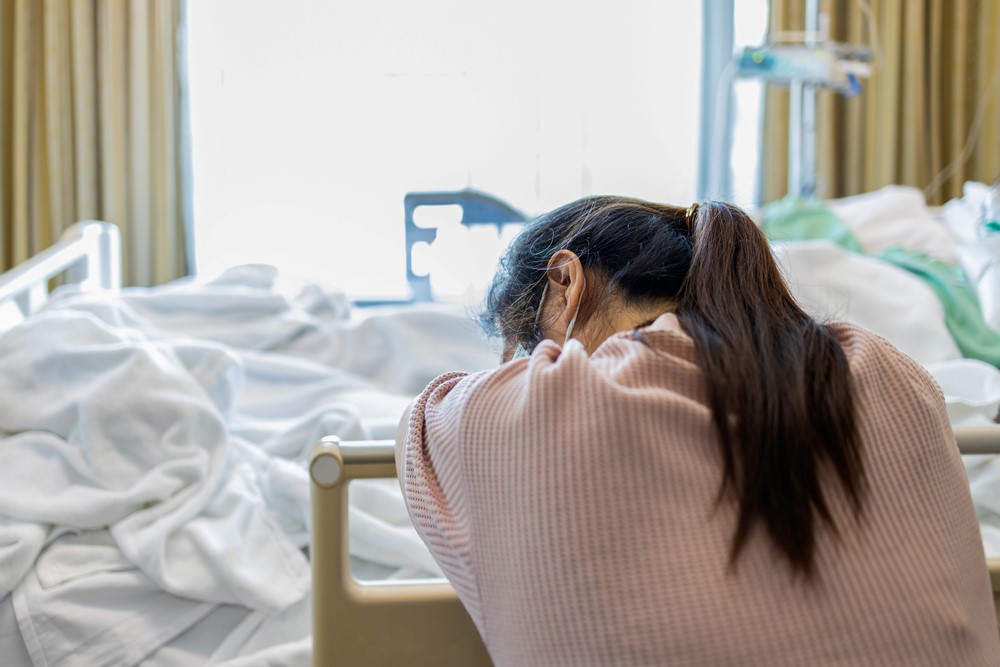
{"x":93,"y":125}
{"x":935,"y":86}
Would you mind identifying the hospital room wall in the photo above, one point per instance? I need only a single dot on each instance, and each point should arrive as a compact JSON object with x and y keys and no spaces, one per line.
{"x":929,"y":117}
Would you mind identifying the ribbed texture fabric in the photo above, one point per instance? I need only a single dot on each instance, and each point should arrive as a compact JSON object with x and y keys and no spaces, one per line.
{"x":571,"y":501}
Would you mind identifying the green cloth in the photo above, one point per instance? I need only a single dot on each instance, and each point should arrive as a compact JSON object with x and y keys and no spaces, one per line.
{"x":962,"y":314}
{"x":799,"y":220}
{"x":793,"y":219}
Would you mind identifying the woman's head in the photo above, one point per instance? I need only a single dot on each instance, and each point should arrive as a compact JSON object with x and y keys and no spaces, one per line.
{"x":777,"y":382}
{"x":602,"y":259}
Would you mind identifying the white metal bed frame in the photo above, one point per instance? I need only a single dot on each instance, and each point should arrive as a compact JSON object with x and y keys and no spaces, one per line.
{"x":88,"y":254}
{"x":415,"y":623}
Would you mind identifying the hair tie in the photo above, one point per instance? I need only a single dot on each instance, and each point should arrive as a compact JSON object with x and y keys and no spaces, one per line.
{"x":692,"y":210}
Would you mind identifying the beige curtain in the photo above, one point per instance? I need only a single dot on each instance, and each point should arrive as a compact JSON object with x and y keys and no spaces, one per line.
{"x":92,"y":125}
{"x":940,"y":59}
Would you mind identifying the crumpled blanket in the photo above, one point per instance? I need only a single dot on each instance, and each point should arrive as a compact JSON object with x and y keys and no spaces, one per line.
{"x":153,"y":448}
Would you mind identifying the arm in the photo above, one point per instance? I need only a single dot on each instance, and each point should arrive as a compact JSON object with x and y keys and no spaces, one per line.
{"x":401,"y":432}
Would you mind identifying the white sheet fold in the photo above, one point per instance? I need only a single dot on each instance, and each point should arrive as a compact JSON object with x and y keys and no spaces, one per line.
{"x":175,"y":422}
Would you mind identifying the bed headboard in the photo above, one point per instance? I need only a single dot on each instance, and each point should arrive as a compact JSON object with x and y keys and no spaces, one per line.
{"x":88,"y":254}
{"x":478,"y":208}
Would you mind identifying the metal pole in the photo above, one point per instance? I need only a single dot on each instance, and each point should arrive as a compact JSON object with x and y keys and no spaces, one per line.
{"x":807,"y":186}
{"x":795,"y":138}
{"x":715,"y":143}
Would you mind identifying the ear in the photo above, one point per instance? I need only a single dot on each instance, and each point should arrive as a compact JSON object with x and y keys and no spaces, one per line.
{"x":565,"y":290}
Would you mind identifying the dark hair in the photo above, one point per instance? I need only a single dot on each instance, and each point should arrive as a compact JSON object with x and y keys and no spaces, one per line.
{"x":780,"y":373}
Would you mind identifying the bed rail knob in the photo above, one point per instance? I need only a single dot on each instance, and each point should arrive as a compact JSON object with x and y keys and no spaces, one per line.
{"x":327,"y":462}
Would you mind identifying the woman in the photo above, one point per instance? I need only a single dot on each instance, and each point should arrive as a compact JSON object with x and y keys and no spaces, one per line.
{"x":688,"y":469}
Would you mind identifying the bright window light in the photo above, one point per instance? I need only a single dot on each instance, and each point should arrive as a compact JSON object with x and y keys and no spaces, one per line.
{"x":312,"y":119}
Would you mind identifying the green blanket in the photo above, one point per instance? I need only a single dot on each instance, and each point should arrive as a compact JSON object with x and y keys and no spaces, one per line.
{"x":803,"y":219}
{"x":800,"y":220}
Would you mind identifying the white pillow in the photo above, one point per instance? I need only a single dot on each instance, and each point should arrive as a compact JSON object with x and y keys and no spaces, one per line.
{"x":833,"y":284}
{"x":895,"y":216}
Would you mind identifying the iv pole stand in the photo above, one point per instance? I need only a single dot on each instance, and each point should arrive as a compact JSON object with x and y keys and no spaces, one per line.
{"x":802,"y":122}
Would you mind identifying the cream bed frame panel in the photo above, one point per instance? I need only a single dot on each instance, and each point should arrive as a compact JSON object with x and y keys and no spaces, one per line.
{"x":414,"y":623}
{"x":420,"y":623}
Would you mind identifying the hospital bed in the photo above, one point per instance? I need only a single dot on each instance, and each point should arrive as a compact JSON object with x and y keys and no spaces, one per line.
{"x":355,"y":622}
{"x":85,"y":265}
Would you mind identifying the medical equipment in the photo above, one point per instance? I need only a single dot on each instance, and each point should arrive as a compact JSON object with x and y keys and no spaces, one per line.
{"x":827,"y":65}
{"x":813,"y":62}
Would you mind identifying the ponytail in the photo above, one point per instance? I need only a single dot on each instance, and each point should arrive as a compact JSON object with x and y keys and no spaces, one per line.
{"x":778,"y":381}
{"x":778,"y":386}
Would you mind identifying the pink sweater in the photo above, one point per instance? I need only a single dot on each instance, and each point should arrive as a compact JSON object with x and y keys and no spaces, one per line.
{"x":570,"y":499}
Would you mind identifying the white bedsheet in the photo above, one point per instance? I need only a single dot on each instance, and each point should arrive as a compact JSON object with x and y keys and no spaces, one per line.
{"x":171,"y":425}
{"x":108,"y":429}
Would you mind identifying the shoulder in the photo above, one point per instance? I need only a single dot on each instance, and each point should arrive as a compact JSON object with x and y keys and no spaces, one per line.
{"x":892,"y":392}
{"x":871,"y":355}
{"x":553,"y":375}
{"x":557,"y":384}
{"x":569,"y":372}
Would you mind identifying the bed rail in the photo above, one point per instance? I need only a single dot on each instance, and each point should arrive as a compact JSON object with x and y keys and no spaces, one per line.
{"x":420,"y":623}
{"x":87,"y":254}
{"x":974,"y":440}
{"x":401,"y":623}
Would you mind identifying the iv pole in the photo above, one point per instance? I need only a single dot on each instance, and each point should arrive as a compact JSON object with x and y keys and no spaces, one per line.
{"x":802,"y":121}
{"x":804,"y":66}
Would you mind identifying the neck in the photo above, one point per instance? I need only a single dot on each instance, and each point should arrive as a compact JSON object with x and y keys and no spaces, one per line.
{"x":627,"y":319}
{"x":623,"y":319}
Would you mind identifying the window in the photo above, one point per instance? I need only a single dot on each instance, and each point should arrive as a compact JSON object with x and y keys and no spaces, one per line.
{"x":312,"y":119}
